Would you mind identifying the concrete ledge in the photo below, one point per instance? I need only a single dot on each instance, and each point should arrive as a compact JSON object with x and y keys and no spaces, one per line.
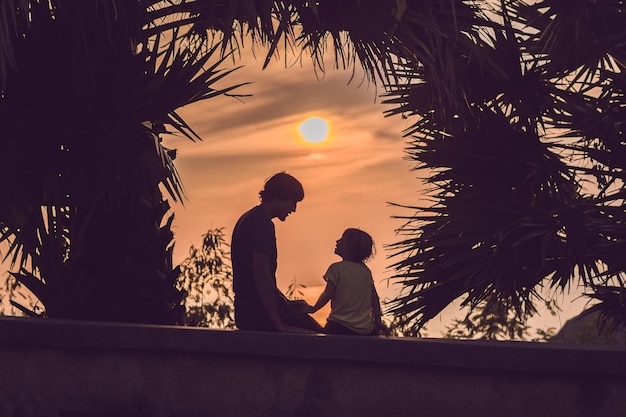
{"x":70,"y":368}
{"x":502,"y":356}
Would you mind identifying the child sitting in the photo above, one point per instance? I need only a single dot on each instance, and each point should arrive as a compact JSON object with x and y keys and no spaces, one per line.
{"x":355,"y":307}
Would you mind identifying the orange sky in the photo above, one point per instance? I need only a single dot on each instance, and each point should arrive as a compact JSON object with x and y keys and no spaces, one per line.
{"x":348,"y":179}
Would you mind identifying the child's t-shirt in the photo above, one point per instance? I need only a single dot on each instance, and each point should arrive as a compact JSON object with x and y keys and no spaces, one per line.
{"x":351,"y":306}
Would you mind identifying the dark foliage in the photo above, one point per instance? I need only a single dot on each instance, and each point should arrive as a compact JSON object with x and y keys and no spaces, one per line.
{"x":527,"y":184}
{"x":206,"y":280}
{"x":86,"y":97}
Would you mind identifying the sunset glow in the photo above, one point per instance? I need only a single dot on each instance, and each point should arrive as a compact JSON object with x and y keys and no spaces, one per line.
{"x":349,"y":179}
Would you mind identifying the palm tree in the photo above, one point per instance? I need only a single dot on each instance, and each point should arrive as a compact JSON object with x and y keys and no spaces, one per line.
{"x":86,"y":96}
{"x":527,"y":182}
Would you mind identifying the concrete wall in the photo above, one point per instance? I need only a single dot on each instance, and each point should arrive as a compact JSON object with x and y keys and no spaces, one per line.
{"x":79,"y":369}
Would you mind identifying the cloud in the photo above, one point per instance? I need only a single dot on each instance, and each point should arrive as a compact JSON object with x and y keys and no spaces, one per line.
{"x":279,"y":93}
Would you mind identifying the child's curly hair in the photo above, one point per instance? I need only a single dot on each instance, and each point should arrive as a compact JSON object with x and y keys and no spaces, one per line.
{"x":361,"y":244}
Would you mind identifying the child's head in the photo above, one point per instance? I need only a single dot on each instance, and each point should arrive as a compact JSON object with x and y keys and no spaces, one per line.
{"x":355,"y":245}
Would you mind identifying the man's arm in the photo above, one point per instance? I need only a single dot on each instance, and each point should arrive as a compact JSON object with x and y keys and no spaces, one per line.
{"x":264,"y":279}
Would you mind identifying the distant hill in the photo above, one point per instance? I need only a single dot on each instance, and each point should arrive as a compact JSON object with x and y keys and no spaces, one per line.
{"x":583,"y":329}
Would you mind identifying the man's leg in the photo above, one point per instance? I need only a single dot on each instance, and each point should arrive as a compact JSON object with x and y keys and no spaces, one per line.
{"x":247,"y":318}
{"x":304,"y":321}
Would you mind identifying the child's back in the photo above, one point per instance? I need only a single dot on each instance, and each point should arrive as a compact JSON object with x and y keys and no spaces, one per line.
{"x":351,"y":305}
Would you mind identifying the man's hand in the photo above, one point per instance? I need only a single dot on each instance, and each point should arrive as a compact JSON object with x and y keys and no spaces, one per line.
{"x":301,"y":306}
{"x":309,"y":310}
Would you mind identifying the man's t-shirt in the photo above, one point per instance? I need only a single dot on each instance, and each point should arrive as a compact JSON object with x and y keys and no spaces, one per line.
{"x":254,"y":232}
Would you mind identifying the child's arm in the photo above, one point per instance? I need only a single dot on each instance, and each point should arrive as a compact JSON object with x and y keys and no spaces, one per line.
{"x":325,"y":297}
{"x":377,"y":314}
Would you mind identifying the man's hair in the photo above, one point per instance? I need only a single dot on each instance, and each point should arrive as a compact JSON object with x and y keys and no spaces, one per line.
{"x":282,"y":186}
{"x":361,"y":244}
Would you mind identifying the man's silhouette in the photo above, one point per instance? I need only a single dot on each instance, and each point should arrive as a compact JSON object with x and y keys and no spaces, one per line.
{"x":259,"y":304}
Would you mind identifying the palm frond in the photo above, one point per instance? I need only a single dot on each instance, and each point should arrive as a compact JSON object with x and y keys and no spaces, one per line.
{"x":611,"y":308}
{"x":512,"y":206}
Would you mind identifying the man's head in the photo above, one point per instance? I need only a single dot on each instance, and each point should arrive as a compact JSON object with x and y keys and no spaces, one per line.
{"x":282,"y":186}
{"x":281,"y":194}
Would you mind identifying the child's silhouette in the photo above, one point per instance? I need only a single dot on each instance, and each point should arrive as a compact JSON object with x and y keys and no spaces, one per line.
{"x":355,"y":307}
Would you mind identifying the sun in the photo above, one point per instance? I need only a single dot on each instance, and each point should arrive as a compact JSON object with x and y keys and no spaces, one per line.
{"x":314,"y":129}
